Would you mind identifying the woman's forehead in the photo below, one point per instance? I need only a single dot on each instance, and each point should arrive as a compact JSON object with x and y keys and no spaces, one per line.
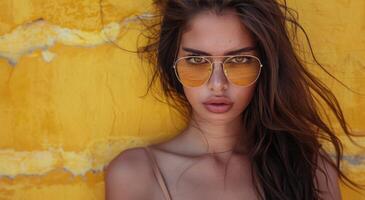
{"x":216,"y":34}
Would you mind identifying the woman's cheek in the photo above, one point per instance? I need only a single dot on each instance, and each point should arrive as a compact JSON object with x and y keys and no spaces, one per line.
{"x":244,"y":97}
{"x":192,"y":95}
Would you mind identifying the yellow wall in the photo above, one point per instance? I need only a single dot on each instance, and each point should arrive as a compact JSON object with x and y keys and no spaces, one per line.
{"x":69,"y":100}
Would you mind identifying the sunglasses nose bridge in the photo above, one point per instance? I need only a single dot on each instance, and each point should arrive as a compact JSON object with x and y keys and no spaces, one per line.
{"x":221,"y":63}
{"x":216,"y":71}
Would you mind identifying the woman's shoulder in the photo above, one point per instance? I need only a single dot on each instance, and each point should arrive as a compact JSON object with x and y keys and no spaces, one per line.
{"x":327,"y":177}
{"x":128,"y":175}
{"x":131,"y":155}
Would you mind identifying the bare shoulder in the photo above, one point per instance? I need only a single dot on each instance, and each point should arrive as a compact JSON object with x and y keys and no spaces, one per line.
{"x":328,"y":179}
{"x":128,"y":175}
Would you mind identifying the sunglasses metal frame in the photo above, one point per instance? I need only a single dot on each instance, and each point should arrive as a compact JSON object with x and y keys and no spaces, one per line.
{"x":212,"y":67}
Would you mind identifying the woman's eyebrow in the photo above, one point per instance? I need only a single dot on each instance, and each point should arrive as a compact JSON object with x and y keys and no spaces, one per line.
{"x":233,"y":52}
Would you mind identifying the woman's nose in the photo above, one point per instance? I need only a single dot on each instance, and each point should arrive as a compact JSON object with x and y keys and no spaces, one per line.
{"x":218,"y":80}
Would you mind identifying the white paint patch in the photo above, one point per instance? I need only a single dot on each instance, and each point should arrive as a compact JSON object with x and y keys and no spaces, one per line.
{"x":93,"y":159}
{"x":47,"y":55}
{"x":41,"y":35}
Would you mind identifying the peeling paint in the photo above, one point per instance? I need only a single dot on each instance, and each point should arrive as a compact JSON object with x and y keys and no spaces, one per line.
{"x":48,"y":55}
{"x":41,"y":35}
{"x":38,"y":163}
{"x":355,"y":160}
{"x":13,"y":163}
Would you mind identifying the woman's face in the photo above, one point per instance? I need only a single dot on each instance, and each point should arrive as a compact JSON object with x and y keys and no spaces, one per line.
{"x":217,"y":35}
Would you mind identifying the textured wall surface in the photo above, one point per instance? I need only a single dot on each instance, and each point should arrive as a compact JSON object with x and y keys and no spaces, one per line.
{"x":70,"y":100}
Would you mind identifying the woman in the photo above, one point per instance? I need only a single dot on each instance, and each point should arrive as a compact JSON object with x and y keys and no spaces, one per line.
{"x":254,"y":130}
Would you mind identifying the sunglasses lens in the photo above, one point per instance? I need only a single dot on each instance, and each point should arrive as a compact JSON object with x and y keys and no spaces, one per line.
{"x":193,"y":71}
{"x":242,"y":70}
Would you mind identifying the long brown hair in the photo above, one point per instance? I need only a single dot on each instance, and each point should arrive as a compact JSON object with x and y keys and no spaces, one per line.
{"x":283,"y":119}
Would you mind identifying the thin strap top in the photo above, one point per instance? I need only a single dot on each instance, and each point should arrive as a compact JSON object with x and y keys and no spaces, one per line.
{"x":158,"y":174}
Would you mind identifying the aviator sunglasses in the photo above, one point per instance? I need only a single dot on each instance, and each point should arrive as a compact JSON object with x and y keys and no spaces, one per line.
{"x":194,"y":71}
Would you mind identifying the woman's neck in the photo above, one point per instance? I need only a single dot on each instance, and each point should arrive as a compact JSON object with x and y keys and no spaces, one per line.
{"x":218,"y":136}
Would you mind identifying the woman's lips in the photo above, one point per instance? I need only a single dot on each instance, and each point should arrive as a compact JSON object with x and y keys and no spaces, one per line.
{"x":218,"y":108}
{"x":218,"y":104}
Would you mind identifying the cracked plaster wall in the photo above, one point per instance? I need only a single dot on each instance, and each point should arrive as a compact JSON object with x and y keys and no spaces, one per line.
{"x":69,"y":100}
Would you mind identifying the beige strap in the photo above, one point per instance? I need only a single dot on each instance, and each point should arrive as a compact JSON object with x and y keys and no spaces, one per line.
{"x":158,"y":175}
